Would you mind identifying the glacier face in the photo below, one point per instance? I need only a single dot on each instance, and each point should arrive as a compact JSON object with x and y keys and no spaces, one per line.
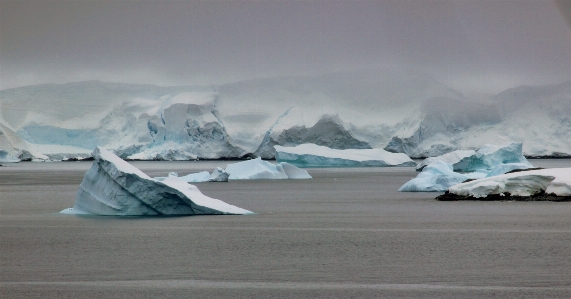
{"x":401,"y":112}
{"x":114,"y":187}
{"x":312,"y":155}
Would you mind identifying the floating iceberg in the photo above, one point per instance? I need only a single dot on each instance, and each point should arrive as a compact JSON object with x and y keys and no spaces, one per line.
{"x":219,"y":175}
{"x":440,"y":173}
{"x":490,"y":156}
{"x":257,"y":169}
{"x":451,"y":158}
{"x":114,"y":187}
{"x":203,"y":176}
{"x":5,"y":157}
{"x":438,"y":176}
{"x":487,"y":157}
{"x":544,"y":184}
{"x":311,"y":155}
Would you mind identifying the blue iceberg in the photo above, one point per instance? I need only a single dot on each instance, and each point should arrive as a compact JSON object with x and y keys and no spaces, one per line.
{"x":436,"y":177}
{"x":442,"y":172}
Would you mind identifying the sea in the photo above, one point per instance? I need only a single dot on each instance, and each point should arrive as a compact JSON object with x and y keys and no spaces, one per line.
{"x":346,"y":233}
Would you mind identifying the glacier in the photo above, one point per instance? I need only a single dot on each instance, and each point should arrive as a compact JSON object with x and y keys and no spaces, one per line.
{"x":312,"y":155}
{"x":553,"y":184}
{"x":258,"y":169}
{"x":441,"y":172}
{"x":113,"y":187}
{"x":400,"y":111}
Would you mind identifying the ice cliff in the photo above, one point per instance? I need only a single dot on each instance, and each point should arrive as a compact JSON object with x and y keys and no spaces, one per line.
{"x":114,"y":187}
{"x":402,"y":112}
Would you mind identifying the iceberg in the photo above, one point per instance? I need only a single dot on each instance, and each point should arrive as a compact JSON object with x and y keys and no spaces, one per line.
{"x":312,"y":155}
{"x":438,"y":177}
{"x":543,"y":184}
{"x":198,"y":177}
{"x":257,"y":169}
{"x":486,"y":157}
{"x":490,"y":156}
{"x":114,"y":187}
{"x":440,"y":173}
{"x":219,"y":175}
{"x":451,"y":158}
{"x":5,"y":157}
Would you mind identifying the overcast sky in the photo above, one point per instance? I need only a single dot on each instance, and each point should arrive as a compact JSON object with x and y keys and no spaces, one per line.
{"x":482,"y":45}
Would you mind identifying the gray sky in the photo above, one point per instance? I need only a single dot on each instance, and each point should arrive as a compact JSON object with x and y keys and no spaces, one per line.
{"x":479,"y":45}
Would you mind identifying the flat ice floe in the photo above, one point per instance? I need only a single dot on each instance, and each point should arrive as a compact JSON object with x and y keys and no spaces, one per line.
{"x":257,"y":169}
{"x":311,"y":155}
{"x":553,"y":184}
{"x":114,"y":187}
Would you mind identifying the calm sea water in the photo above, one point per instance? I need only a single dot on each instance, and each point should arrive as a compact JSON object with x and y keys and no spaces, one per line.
{"x":347,"y":233}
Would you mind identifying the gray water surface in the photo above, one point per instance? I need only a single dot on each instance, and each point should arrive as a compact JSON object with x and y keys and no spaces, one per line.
{"x":345,"y":234}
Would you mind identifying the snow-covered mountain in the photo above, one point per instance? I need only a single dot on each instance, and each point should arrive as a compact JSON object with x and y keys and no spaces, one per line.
{"x":399,"y":111}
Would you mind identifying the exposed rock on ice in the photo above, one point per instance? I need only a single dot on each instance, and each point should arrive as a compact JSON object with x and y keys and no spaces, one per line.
{"x":312,"y":155}
{"x":257,"y":169}
{"x":544,"y":184}
{"x":437,"y":176}
{"x":114,"y":187}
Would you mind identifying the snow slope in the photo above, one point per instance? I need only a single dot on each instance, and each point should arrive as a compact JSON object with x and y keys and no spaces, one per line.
{"x":404,"y":112}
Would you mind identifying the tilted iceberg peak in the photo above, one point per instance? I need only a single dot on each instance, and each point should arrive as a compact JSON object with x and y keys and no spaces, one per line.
{"x":114,"y":187}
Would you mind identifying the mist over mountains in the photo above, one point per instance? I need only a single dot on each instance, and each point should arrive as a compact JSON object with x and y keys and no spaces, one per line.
{"x":400,"y":111}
